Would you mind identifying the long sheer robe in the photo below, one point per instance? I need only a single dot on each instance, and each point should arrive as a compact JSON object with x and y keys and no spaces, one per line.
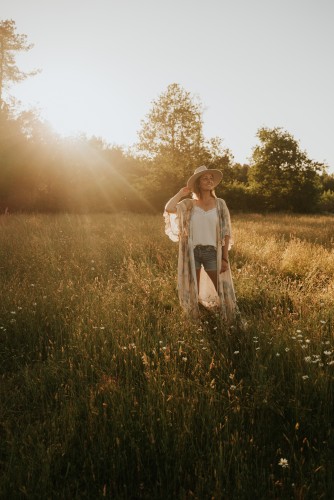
{"x":179,"y":228}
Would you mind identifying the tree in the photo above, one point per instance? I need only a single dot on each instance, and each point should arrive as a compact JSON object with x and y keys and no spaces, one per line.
{"x":18,"y":161}
{"x":173,"y":124}
{"x":10,"y":43}
{"x":283,"y":175}
{"x":327,"y":181}
{"x":171,"y":141}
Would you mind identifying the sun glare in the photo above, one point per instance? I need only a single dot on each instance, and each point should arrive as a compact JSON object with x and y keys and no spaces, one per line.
{"x":72,"y":103}
{"x":67,"y":107}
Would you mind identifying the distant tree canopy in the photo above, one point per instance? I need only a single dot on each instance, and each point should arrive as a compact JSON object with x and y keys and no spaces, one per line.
{"x":174,"y":124}
{"x":172,"y":144}
{"x":42,"y":172}
{"x":281,"y":175}
{"x":10,"y":44}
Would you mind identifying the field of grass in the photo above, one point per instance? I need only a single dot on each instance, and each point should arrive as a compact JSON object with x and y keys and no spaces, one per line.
{"x":106,"y":389}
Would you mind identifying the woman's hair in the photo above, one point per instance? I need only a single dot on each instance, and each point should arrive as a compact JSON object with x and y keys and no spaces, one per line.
{"x":197,"y":192}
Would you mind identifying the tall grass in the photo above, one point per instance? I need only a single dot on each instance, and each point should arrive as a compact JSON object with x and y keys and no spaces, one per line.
{"x":108,"y":391}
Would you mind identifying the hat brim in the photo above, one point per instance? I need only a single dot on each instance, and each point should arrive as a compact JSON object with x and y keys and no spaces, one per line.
{"x":217,"y":177}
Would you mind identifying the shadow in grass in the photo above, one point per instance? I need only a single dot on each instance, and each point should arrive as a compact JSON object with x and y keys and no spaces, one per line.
{"x":265,"y":303}
{"x":24,"y":344}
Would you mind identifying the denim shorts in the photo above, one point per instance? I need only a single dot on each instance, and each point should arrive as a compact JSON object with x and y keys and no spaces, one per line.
{"x":206,"y":255}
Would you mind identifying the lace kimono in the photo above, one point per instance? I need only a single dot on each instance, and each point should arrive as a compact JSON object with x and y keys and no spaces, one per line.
{"x":179,"y":228}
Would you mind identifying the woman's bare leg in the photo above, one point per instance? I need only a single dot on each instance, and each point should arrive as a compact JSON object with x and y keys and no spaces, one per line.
{"x":214,"y":278}
{"x":198,"y":274}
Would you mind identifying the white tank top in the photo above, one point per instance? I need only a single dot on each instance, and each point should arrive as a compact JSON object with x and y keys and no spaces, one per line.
{"x":204,"y":226}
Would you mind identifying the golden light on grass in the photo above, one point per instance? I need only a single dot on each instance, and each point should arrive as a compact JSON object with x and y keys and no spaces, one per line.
{"x":97,"y":361}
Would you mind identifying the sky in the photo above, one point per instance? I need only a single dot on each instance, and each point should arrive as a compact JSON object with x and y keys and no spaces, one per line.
{"x":251,"y":63}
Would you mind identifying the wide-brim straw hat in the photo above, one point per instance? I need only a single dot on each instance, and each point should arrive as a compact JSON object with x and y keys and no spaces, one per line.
{"x":217,"y":176}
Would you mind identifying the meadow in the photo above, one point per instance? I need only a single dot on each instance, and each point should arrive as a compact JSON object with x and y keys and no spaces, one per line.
{"x":107,"y":390}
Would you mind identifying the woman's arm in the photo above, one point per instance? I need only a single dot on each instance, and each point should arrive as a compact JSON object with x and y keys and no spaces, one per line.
{"x":171,"y":204}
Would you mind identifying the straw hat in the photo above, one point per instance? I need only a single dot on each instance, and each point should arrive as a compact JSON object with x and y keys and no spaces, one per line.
{"x":217,"y":176}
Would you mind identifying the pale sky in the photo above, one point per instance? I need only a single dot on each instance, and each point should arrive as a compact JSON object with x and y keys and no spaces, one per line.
{"x":252,"y":63}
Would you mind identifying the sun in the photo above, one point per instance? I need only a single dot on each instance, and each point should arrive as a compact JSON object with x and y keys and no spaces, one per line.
{"x":67,"y":105}
{"x":73,"y":103}
{"x":77,"y":100}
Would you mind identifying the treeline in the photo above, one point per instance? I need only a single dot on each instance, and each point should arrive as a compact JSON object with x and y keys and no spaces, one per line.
{"x":40,"y":171}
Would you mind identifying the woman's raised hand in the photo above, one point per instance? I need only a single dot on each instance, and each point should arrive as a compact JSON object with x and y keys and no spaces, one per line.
{"x":184,"y":191}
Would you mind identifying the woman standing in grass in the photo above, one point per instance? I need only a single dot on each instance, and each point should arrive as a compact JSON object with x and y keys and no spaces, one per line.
{"x":203,"y":228}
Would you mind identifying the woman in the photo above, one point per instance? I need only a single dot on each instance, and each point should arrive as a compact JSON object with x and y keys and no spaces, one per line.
{"x":203,"y":228}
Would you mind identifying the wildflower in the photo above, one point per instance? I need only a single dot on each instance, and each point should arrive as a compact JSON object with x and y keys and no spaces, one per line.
{"x":322,"y":321}
{"x":233,"y":387}
{"x":12,"y":312}
{"x":287,"y":349}
{"x":184,"y":359}
{"x":330,"y":363}
{"x":327,"y":353}
{"x":298,"y":331}
{"x":277,"y":354}
{"x":145,"y":359}
{"x":283,"y":463}
{"x":308,"y":359}
{"x":304,"y":346}
{"x":236,"y":352}
{"x":305,"y":377}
